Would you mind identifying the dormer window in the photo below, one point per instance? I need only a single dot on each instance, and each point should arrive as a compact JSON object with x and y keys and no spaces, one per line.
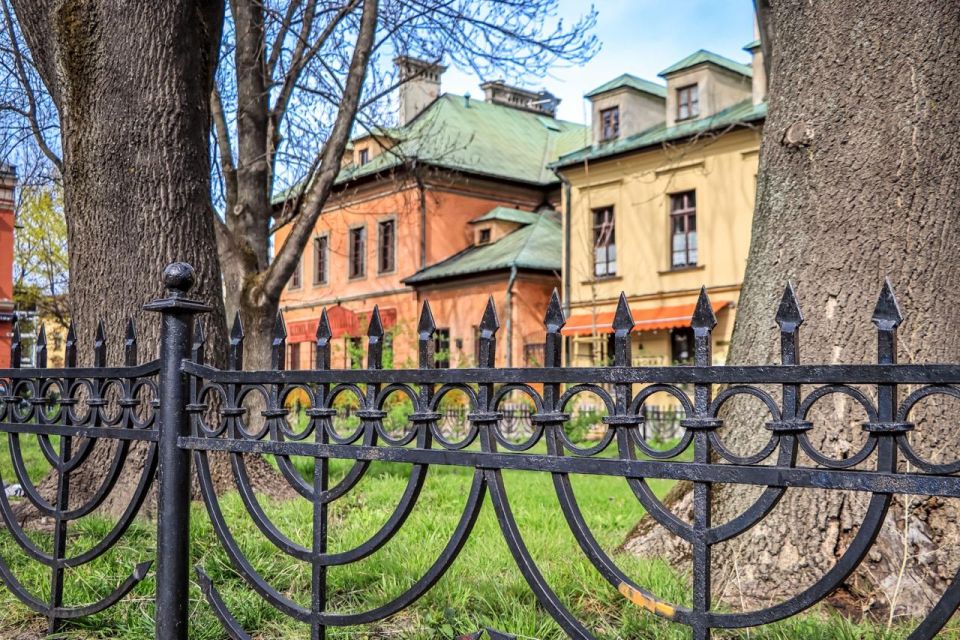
{"x":364,"y":156}
{"x":484,"y":236}
{"x":610,"y":123}
{"x":688,"y":102}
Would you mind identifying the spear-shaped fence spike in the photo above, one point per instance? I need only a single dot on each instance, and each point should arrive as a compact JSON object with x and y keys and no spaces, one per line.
{"x":375,"y":328}
{"x":130,"y":344}
{"x":279,"y":343}
{"x":70,"y":346}
{"x":199,"y":338}
{"x":40,"y":349}
{"x":622,"y":326}
{"x":703,"y":316}
{"x":100,"y":346}
{"x":375,"y":340}
{"x":553,"y":320}
{"x":490,"y":322}
{"x":235,"y":358}
{"x":887,"y":315}
{"x":426,"y":327}
{"x":489,"y":325}
{"x":623,"y":318}
{"x":789,"y":316}
{"x":322,"y":342}
{"x":16,"y":346}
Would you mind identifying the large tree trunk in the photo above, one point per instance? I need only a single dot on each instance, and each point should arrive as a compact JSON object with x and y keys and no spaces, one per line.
{"x":859,"y":178}
{"x":132,"y":85}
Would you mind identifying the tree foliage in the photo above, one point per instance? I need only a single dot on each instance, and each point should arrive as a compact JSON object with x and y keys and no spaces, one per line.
{"x":40,"y":262}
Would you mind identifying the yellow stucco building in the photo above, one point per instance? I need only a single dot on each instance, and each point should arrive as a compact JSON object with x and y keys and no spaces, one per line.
{"x":661,"y":203}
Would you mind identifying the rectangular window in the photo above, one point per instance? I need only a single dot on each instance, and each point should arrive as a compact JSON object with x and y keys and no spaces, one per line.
{"x":364,"y":156}
{"x":610,"y":123}
{"x":386,"y":246}
{"x":297,"y":278}
{"x":604,"y":243}
{"x":688,"y":102}
{"x":358,"y":252}
{"x":681,"y":345}
{"x":441,"y":346}
{"x":293,"y":356}
{"x":320,"y":258}
{"x":683,"y":229}
{"x":484,"y":236}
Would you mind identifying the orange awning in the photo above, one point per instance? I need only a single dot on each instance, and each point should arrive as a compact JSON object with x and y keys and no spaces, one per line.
{"x":645,"y":319}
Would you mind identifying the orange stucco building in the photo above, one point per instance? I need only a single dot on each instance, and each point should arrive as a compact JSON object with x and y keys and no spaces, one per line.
{"x":8,"y":184}
{"x":454,"y":205}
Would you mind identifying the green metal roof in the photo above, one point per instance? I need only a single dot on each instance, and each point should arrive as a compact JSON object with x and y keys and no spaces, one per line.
{"x":479,"y":137}
{"x":632,"y":81}
{"x":508,"y":214}
{"x":742,"y":113}
{"x":702,"y":56}
{"x":753,"y":44}
{"x":535,"y":246}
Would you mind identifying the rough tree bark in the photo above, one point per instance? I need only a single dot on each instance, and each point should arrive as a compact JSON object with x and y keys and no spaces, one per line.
{"x":133,"y":100}
{"x":859,"y":178}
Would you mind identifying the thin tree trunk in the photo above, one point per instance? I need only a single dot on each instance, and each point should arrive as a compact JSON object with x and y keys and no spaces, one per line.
{"x":859,"y":178}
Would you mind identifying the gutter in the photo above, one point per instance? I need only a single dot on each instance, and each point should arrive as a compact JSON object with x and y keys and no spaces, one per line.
{"x":508,"y":308}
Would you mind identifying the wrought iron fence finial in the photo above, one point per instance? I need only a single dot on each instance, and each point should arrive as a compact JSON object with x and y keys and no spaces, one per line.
{"x":887,"y":315}
{"x":703,"y":315}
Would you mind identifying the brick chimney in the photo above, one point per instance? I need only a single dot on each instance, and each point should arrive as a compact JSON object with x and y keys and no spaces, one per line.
{"x":8,"y":185}
{"x":421,"y":85}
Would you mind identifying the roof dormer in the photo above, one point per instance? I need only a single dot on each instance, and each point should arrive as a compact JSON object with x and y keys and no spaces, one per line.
{"x":703,"y":84}
{"x":624,"y":106}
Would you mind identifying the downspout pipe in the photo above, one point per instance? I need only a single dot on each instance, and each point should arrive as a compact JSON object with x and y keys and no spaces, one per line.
{"x":566,"y":275}
{"x":508,"y":311}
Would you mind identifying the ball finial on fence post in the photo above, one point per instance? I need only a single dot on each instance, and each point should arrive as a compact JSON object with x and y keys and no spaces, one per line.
{"x":178,"y":278}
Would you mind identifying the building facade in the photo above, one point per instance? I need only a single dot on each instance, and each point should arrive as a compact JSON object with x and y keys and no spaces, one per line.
{"x":661,"y":203}
{"x":8,"y":187}
{"x":412,"y":198}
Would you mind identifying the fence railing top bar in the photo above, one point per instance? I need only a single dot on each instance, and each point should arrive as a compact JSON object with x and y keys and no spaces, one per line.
{"x":760,"y":374}
{"x":138,"y":371}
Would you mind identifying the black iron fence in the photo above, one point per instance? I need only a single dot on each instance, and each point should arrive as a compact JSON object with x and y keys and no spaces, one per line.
{"x":184,"y":410}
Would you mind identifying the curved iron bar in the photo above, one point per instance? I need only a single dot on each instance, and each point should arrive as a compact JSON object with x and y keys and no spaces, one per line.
{"x":903,"y":441}
{"x":812,"y":451}
{"x":408,"y":500}
{"x":232,"y":549}
{"x":70,"y":613}
{"x":635,"y":407}
{"x":260,"y":518}
{"x":717,"y":441}
{"x":598,"y":557}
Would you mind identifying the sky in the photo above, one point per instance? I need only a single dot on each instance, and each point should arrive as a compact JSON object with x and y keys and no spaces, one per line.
{"x":641,"y":37}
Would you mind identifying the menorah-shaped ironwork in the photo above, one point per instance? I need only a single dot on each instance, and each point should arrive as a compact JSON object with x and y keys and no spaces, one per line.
{"x":203,"y":409}
{"x":88,"y":409}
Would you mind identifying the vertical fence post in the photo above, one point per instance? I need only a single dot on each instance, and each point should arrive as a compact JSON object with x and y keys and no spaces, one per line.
{"x":173,"y":471}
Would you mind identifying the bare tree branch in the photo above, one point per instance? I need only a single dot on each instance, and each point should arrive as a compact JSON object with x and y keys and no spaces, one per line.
{"x":224,"y":148}
{"x":31,"y":111}
{"x":288,"y":255}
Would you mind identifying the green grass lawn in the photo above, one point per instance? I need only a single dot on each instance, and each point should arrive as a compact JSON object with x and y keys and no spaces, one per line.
{"x":483,"y":588}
